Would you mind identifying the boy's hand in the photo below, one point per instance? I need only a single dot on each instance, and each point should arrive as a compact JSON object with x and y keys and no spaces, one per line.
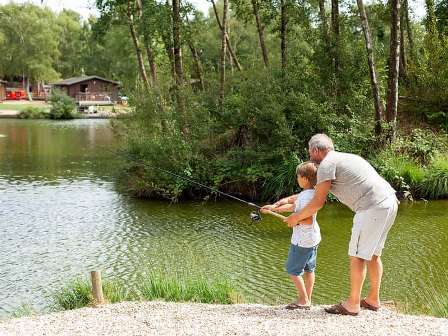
{"x":268,"y":207}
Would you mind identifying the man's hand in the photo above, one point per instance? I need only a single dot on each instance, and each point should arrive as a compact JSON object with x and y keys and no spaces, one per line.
{"x":291,"y":220}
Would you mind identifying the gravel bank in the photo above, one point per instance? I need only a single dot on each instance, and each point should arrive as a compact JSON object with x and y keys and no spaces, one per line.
{"x":161,"y":318}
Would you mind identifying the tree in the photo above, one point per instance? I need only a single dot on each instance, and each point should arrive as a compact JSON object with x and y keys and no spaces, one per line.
{"x":335,"y":37}
{"x":260,"y":29}
{"x":72,"y":39}
{"x":394,"y":64}
{"x":283,"y":32}
{"x":229,"y":45}
{"x":130,"y":8}
{"x":222,"y":63}
{"x":372,"y":68}
{"x":178,"y":67}
{"x":324,"y":24}
{"x":26,"y":29}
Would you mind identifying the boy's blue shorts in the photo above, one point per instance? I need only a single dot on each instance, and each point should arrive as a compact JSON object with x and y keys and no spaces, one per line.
{"x":301,"y":259}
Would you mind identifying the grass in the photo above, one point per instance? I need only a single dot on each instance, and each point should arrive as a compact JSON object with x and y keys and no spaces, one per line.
{"x":21,"y":107}
{"x":23,"y":311}
{"x":78,"y":293}
{"x":158,"y":287}
{"x":435,"y":185}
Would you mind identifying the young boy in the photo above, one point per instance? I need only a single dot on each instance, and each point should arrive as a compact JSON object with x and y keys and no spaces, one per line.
{"x":305,"y":238}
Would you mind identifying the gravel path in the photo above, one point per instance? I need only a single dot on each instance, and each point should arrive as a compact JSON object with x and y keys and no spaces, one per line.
{"x":161,"y":318}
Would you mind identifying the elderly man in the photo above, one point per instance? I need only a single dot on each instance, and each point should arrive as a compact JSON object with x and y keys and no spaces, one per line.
{"x":357,"y":185}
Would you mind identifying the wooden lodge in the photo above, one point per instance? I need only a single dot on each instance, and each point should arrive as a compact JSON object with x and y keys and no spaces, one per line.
{"x":2,"y":90}
{"x":90,"y":90}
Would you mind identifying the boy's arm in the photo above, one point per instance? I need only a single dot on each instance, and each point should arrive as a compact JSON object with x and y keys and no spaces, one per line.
{"x":284,"y":208}
{"x":286,"y":200}
{"x":318,"y":201}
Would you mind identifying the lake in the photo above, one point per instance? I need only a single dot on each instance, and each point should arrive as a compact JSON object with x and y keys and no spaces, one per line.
{"x":61,"y":217}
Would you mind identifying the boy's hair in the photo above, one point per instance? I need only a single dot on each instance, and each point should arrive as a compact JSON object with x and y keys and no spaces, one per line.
{"x":308,"y":169}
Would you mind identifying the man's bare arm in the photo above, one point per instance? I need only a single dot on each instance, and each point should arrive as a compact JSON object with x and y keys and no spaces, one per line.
{"x":318,"y":201}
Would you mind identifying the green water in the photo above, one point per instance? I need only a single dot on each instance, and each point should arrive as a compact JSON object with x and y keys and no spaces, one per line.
{"x":60,"y":217}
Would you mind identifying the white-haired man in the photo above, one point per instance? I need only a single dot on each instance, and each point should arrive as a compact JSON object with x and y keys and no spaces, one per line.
{"x":356,"y":184}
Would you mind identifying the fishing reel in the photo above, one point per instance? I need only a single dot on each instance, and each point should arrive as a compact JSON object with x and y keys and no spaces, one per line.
{"x":255,"y":216}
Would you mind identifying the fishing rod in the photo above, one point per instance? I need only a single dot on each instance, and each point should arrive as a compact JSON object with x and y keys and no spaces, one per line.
{"x":255,"y":216}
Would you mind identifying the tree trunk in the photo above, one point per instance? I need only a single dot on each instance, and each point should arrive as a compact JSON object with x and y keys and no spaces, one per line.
{"x":372,"y":68}
{"x":229,"y":46}
{"x":403,"y":73}
{"x":222,"y":63}
{"x":151,"y":58}
{"x":431,"y":27}
{"x":138,"y":50}
{"x":394,"y":63}
{"x":28,"y":91}
{"x":335,"y":36}
{"x":178,"y":67}
{"x":283,"y":33}
{"x":197,"y":64}
{"x":324,"y":24}
{"x":260,"y":30}
{"x":409,"y":32}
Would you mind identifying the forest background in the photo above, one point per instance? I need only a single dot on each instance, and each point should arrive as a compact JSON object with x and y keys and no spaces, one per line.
{"x":231,"y":98}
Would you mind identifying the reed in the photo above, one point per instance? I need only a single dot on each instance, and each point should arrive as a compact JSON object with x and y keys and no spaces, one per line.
{"x":157,"y":286}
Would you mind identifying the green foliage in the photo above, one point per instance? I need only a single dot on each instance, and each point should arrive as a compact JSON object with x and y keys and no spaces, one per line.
{"x":62,"y":106}
{"x":76,"y":294}
{"x":435,"y":184}
{"x":420,"y":145}
{"x":23,"y":311}
{"x":32,"y":112}
{"x":158,"y":287}
{"x":417,"y":164}
{"x":30,"y":43}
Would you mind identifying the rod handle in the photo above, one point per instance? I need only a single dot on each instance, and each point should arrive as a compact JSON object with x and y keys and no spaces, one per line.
{"x":275,"y":214}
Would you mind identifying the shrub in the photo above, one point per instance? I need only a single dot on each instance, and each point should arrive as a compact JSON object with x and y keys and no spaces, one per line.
{"x":62,"y":106}
{"x":32,"y":112}
{"x":403,"y":174}
{"x":435,"y":185}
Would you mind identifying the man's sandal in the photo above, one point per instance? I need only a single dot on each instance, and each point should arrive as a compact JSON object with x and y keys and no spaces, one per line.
{"x":295,"y":305}
{"x":364,"y":304}
{"x":339,"y":309}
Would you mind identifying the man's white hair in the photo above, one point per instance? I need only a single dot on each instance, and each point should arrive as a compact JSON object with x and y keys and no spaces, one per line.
{"x":321,"y":142}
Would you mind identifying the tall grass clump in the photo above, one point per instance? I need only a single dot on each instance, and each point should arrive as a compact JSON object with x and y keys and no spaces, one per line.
{"x":78,"y":294}
{"x":435,"y":185}
{"x":157,"y":286}
{"x":23,"y":310}
{"x":162,"y":287}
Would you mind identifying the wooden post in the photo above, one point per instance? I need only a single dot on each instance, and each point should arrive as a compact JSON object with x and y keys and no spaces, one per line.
{"x":97,"y":288}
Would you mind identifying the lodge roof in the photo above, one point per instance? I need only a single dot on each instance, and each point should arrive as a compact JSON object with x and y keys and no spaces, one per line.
{"x":75,"y":80}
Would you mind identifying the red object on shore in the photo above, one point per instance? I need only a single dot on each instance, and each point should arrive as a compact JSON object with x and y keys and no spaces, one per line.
{"x":15,"y":94}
